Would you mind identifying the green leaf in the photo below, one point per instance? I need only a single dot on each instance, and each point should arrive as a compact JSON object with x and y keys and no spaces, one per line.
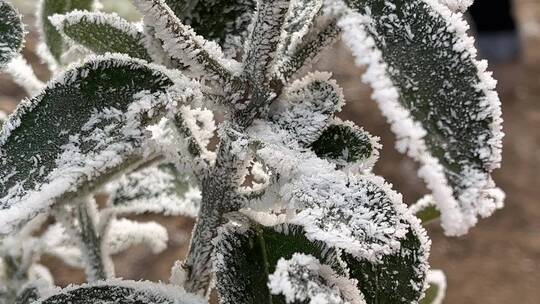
{"x":11,"y":33}
{"x":345,"y":143}
{"x":303,"y":278}
{"x":125,"y":292}
{"x":308,"y":106}
{"x":28,"y":295}
{"x":161,"y":189}
{"x":203,"y":57}
{"x":86,"y":126}
{"x":399,"y":277}
{"x":102,"y":33}
{"x":248,"y":252}
{"x":439,"y":98}
{"x":54,"y":42}
{"x":225,"y":22}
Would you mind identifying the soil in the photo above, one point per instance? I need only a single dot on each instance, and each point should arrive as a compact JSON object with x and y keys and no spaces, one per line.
{"x":498,"y":262}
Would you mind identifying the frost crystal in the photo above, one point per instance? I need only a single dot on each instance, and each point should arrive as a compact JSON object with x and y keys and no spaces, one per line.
{"x":457,"y":164}
{"x":156,"y":189}
{"x":119,"y":291}
{"x":101,"y":33}
{"x":11,"y":33}
{"x":84,"y":141}
{"x":304,"y":279}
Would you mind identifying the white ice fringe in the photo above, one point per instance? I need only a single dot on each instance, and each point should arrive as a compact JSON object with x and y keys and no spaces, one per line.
{"x":23,"y":75}
{"x":482,"y":197}
{"x":110,"y":19}
{"x":438,"y":278}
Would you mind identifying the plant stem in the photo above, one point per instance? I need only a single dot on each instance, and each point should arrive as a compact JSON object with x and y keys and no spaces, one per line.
{"x":97,"y":262}
{"x":218,"y":197}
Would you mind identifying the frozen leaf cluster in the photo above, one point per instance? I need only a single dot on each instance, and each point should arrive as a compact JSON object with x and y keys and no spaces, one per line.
{"x":209,"y":109}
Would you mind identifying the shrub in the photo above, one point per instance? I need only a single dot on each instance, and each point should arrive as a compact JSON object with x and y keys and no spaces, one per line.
{"x":288,"y":209}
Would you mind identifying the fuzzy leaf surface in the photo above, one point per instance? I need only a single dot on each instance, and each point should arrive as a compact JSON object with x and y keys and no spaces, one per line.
{"x":84,"y":126}
{"x":247,"y":252}
{"x":438,"y":97}
{"x":11,"y":33}
{"x":102,"y":33}
{"x":125,"y":292}
{"x":52,"y":38}
{"x":398,"y":278}
{"x":225,"y":22}
{"x":159,"y":189}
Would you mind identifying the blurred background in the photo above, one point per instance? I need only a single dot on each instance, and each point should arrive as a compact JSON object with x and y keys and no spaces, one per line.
{"x":499,"y":260}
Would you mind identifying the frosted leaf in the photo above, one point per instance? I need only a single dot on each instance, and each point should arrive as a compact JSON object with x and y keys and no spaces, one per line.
{"x":85,"y":126}
{"x":440,"y":100}
{"x":304,"y":51}
{"x":124,"y":233}
{"x":159,"y":189}
{"x":225,"y":22}
{"x":347,"y":146}
{"x":23,"y":75}
{"x":308,"y":106}
{"x":11,"y":33}
{"x":299,"y":21}
{"x":53,"y":45}
{"x":359,"y":213}
{"x":302,"y":278}
{"x":399,"y":277}
{"x":183,"y":44}
{"x":101,"y":33}
{"x":437,"y":288}
{"x":246,"y":253}
{"x":425,"y":209}
{"x":119,"y":291}
{"x":264,"y":39}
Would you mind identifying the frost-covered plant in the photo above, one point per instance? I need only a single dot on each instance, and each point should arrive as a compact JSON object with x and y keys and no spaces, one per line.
{"x":288,"y":209}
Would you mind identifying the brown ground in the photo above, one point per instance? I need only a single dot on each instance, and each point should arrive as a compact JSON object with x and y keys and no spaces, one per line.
{"x":498,"y":262}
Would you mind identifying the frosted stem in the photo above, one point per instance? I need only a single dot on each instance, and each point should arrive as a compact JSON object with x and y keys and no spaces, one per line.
{"x":218,"y":197}
{"x":264,"y":38}
{"x":85,"y":230}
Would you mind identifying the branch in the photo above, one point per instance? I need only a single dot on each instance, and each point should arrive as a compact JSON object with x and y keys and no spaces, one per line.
{"x":264,"y":39}
{"x":97,"y":262}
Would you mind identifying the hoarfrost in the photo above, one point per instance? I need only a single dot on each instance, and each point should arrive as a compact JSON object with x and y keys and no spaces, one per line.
{"x":463,"y":197}
{"x":303,"y":278}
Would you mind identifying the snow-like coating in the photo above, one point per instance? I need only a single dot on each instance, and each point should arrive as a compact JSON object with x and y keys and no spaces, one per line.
{"x":109,"y":19}
{"x":113,"y":144}
{"x":23,"y":74}
{"x":122,"y":290}
{"x":438,"y":278}
{"x":479,"y":196}
{"x":156,"y":190}
{"x":303,"y":278}
{"x":359,"y":213}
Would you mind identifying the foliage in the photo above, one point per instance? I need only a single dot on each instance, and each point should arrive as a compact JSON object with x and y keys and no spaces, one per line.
{"x":288,"y":209}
